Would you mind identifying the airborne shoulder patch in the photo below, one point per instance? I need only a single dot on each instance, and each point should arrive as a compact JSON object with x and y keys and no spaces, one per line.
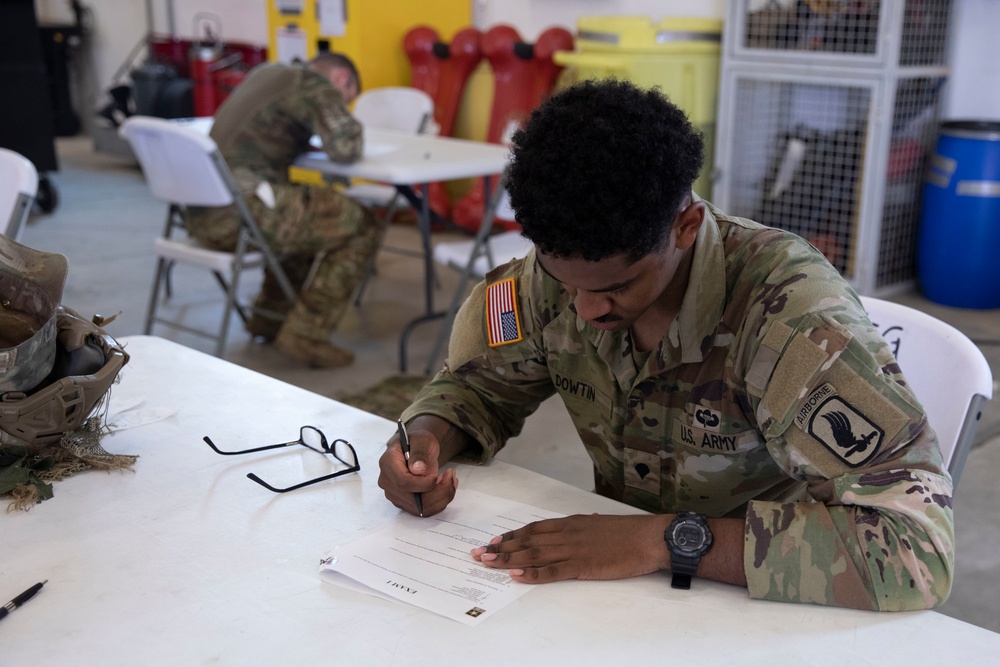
{"x":847,"y":433}
{"x":503,"y":321}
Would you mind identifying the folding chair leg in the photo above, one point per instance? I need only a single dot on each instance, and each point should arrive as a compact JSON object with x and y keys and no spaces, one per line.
{"x":481,"y":246}
{"x":369,"y":274}
{"x":446,"y":323}
{"x":220,"y":344}
{"x":240,"y":310}
{"x":154,"y":297}
{"x":168,"y":272}
{"x":372,"y":271}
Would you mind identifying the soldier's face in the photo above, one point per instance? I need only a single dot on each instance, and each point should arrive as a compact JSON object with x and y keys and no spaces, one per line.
{"x":613,"y":293}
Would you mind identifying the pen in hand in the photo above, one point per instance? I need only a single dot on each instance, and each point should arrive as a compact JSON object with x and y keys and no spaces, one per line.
{"x":404,"y":443}
{"x":21,"y":599}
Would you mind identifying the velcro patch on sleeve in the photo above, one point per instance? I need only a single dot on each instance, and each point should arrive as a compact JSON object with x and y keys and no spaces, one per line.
{"x":793,"y":375}
{"x":503,"y":321}
{"x":767,"y":356}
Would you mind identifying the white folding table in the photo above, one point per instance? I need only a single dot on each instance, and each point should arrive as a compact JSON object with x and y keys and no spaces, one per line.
{"x":187,"y":562}
{"x":410,"y":161}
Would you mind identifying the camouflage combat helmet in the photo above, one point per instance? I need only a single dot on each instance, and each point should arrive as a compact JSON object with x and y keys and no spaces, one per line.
{"x":31,"y":286}
{"x":55,"y":366}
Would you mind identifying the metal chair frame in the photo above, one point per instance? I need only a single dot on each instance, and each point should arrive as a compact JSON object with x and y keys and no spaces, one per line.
{"x":18,"y":187}
{"x":158,"y":143}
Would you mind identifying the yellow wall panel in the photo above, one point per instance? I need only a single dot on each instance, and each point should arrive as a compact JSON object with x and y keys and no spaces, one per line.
{"x":375,"y":31}
{"x":304,"y":21}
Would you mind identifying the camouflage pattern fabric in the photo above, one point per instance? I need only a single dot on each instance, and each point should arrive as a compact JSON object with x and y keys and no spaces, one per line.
{"x":31,"y":286}
{"x":772,"y":397}
{"x":261,"y":128}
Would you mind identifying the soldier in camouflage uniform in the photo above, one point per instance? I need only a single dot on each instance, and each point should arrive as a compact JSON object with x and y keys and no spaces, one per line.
{"x":327,"y":240}
{"x":710,"y":364}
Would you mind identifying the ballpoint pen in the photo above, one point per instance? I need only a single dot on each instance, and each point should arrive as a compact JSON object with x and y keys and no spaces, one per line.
{"x":21,"y":599}
{"x":404,"y":443}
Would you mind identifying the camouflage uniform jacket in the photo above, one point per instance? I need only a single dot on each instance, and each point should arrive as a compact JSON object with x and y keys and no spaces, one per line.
{"x":771,"y":397}
{"x":267,"y":122}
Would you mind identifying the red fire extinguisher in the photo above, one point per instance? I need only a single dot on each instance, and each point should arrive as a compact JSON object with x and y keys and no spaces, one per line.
{"x":205,"y":55}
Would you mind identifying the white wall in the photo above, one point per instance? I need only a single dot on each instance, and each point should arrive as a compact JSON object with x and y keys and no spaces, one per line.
{"x":241,"y":20}
{"x":974,"y":87}
{"x":116,"y":26}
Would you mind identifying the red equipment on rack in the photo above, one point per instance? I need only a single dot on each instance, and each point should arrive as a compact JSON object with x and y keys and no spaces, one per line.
{"x":216,"y":67}
{"x":216,"y":70}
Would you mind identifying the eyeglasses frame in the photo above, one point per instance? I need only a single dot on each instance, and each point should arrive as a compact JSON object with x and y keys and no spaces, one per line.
{"x":328,"y":449}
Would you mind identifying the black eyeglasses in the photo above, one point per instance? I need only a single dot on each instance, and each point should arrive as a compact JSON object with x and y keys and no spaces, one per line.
{"x":313,"y":438}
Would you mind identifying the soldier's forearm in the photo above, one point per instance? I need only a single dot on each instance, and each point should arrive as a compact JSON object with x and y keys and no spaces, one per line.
{"x":724,"y":561}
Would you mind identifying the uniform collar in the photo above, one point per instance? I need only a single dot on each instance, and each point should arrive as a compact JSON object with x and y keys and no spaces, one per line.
{"x":705,"y":296}
{"x":692,"y":332}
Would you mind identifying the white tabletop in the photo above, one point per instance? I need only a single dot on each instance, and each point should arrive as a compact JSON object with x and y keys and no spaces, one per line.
{"x":401,"y":158}
{"x":187,"y":562}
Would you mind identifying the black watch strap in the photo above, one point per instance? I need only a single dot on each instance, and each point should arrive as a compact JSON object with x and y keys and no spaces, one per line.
{"x":682,"y":569}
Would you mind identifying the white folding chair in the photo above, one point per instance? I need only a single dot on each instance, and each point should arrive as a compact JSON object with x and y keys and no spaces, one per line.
{"x":183,"y":167}
{"x":474,"y":258}
{"x":18,"y":186}
{"x":945,"y":371}
{"x":395,"y":108}
{"x":390,"y":108}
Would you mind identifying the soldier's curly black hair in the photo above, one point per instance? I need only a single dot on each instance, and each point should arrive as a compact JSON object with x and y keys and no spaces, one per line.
{"x":601,"y":169}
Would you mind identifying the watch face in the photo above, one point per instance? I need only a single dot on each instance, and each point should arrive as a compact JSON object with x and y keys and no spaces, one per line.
{"x":689,"y":537}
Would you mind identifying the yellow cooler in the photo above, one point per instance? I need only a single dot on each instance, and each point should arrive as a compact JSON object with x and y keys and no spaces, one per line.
{"x":680,"y":55}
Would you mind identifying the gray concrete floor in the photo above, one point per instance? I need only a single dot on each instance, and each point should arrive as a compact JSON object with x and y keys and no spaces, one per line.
{"x":105,"y":223}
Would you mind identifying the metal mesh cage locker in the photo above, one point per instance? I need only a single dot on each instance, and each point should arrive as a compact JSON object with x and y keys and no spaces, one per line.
{"x":826,"y":113}
{"x":842,"y":33}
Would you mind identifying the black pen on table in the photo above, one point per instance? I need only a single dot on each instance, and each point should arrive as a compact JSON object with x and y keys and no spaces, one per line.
{"x":404,"y":443}
{"x":21,"y":599}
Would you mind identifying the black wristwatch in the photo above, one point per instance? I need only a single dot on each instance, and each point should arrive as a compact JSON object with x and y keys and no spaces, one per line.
{"x":688,"y":539}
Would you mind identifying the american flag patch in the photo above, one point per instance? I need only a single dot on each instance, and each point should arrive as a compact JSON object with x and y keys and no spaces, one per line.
{"x":503,"y":324}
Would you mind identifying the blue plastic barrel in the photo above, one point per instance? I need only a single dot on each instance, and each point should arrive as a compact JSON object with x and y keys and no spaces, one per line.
{"x":958,"y":255}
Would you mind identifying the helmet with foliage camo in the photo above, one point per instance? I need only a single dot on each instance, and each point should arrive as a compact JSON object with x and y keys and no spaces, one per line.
{"x":55,"y":366}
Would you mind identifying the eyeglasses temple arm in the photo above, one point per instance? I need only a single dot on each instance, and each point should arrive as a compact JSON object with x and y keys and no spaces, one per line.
{"x":257,"y":479}
{"x":249,"y":451}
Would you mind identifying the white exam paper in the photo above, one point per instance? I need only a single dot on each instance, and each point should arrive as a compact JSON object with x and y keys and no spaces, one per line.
{"x":425,"y":561}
